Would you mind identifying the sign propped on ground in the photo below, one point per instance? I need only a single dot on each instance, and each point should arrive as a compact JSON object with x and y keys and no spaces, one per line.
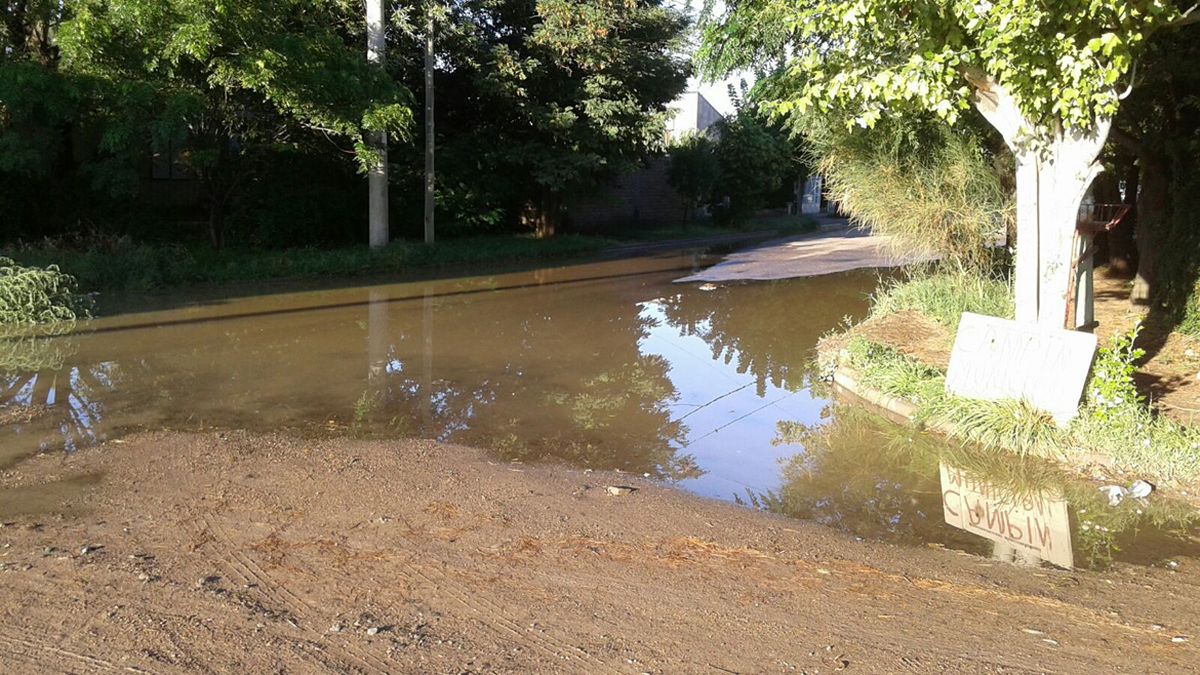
{"x":996,"y":359}
{"x":1034,"y":526}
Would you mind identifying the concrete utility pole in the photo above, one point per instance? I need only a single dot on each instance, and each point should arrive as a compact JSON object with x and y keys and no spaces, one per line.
{"x":377,"y":175}
{"x":429,"y":148}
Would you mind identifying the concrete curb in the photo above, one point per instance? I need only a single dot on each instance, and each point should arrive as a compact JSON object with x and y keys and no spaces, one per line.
{"x":894,"y":408}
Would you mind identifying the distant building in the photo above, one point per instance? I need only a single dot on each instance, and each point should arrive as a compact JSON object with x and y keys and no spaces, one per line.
{"x":645,"y":198}
{"x":693,"y":114}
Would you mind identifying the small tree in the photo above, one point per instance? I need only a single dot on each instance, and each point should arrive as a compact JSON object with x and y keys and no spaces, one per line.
{"x":693,"y":171}
{"x":753,"y":162}
{"x":1048,"y":76}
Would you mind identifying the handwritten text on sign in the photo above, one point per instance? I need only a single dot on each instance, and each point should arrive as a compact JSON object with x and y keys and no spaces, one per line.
{"x":1038,"y":525}
{"x":996,"y":359}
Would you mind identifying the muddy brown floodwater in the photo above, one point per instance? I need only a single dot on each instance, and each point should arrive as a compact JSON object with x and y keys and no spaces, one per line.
{"x":601,"y":367}
{"x":605,"y":366}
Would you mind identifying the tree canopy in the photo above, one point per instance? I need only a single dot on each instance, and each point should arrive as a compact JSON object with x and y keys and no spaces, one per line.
{"x":549,"y":97}
{"x":1062,"y":62}
{"x":1049,"y":77}
{"x":263,"y":104}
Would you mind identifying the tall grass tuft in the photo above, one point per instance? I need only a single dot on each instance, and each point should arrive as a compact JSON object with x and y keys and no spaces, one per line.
{"x":931,"y":187}
{"x":1015,"y":426}
{"x":943,"y":294}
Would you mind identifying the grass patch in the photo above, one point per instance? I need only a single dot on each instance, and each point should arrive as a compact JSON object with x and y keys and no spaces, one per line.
{"x":122,"y":265}
{"x":943,"y":295}
{"x":143,"y":267}
{"x":1137,"y":441}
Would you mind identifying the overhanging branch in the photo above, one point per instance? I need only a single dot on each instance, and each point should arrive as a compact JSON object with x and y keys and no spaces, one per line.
{"x":1191,"y":16}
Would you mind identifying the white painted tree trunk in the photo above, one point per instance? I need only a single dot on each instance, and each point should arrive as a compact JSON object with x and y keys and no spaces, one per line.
{"x":1051,"y":180}
{"x":377,"y":173}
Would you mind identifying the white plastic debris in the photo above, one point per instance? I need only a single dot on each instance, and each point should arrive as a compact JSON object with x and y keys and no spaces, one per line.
{"x":1140,"y":489}
{"x":708,"y":287}
{"x":1115,"y":494}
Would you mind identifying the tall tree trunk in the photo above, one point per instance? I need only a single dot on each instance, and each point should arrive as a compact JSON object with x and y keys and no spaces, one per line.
{"x":1152,"y":204}
{"x":1051,"y":182}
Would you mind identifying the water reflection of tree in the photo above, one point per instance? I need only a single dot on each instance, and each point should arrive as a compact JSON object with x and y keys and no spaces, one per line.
{"x":536,"y":374}
{"x":62,"y":398}
{"x":769,"y":328}
{"x":866,"y":475}
{"x":861,"y":474}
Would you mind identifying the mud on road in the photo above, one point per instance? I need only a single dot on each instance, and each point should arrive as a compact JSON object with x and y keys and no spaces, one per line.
{"x":242,"y":553}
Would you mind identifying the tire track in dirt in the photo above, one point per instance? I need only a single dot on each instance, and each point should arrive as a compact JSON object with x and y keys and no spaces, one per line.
{"x":494,"y":615}
{"x":240,"y":565}
{"x":11,"y":644}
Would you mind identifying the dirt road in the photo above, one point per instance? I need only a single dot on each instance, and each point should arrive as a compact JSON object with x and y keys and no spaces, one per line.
{"x":238,"y":553}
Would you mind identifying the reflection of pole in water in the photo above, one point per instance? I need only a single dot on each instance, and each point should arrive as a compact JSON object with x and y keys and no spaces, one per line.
{"x":427,"y":360}
{"x":1006,"y":552}
{"x":377,"y":334}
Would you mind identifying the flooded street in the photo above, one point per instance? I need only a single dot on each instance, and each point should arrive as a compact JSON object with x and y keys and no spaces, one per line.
{"x":601,"y":366}
{"x":289,"y":481}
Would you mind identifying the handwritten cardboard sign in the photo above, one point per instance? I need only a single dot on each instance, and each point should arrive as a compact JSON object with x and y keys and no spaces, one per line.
{"x":995,"y":359}
{"x":1038,"y":525}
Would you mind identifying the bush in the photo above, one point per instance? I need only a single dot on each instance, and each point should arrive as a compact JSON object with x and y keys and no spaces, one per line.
{"x":31,"y":295}
{"x":754,"y":160}
{"x":694,"y":171}
{"x":1111,"y":386}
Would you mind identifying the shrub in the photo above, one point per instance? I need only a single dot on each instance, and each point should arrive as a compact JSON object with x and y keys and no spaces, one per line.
{"x":31,"y":295}
{"x":694,"y":171}
{"x":1111,"y":386}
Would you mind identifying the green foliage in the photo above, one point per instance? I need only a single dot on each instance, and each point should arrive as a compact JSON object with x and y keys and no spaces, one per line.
{"x":694,"y":171}
{"x":548,"y":98}
{"x":932,"y":187}
{"x":1111,"y":386}
{"x":31,"y":295}
{"x":215,"y":90}
{"x":943,"y":295}
{"x":140,"y":267}
{"x":537,"y":101}
{"x":230,"y":71}
{"x":1062,"y":62}
{"x":754,"y":160}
